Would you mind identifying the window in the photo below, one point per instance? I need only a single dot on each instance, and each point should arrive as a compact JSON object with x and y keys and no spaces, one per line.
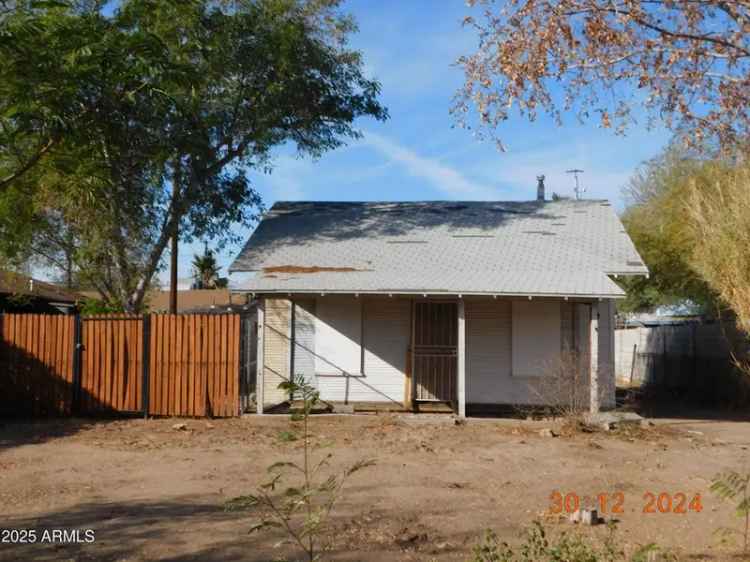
{"x":338,"y":336}
{"x":536,"y":337}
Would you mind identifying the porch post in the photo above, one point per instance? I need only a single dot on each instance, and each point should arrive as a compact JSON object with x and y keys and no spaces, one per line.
{"x":461,"y":358}
{"x":259,"y":357}
{"x":594,"y":359}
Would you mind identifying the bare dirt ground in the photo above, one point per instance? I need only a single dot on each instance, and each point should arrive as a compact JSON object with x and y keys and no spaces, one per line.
{"x":154,"y":492}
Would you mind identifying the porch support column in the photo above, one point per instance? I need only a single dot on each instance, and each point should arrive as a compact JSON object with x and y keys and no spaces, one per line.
{"x":260,"y":356}
{"x":461,"y":358}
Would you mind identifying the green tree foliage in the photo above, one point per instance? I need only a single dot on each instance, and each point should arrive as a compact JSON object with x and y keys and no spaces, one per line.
{"x":718,"y":212}
{"x":206,"y":272}
{"x":656,"y":221}
{"x":115,"y":131}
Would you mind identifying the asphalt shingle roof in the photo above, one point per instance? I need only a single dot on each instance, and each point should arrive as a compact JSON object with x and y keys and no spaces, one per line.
{"x":555,"y":248}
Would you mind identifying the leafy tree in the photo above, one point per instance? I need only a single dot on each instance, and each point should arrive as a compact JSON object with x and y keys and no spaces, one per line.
{"x":718,"y":214}
{"x":140,"y":127}
{"x":655,"y":220}
{"x":686,"y":63}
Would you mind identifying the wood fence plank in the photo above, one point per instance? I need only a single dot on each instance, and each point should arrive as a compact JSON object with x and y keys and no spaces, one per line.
{"x":134,"y":374}
{"x":173,"y":364}
{"x":107,"y":364}
{"x":211,"y":372}
{"x":202,"y":346}
{"x":165,"y":331}
{"x":57,"y":347}
{"x":156,"y":343}
{"x":179,"y":352}
{"x":119,"y":344}
{"x":191,"y":371}
{"x":35,"y":340}
{"x":223,"y":372}
{"x":234,"y":367}
{"x":67,"y":341}
{"x":186,"y":370}
{"x":153,"y":380}
{"x":93,"y":355}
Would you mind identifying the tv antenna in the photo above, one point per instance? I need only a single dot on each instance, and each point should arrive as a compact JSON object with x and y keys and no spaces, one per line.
{"x":578,"y":189}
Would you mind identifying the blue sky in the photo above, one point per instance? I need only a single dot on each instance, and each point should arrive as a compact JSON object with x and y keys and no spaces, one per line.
{"x":410,"y":47}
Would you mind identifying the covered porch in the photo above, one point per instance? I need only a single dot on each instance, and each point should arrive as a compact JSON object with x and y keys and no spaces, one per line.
{"x":417,"y":352}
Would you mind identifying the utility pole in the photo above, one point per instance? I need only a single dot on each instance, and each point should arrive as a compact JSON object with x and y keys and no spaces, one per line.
{"x":173,"y":271}
{"x":579,"y":191}
{"x":175,"y":240}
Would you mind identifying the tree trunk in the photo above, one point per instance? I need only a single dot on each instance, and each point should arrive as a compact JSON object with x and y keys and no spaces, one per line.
{"x":173,"y":271}
{"x":175,"y":242}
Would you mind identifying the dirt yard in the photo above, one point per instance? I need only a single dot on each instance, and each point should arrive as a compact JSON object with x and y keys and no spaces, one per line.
{"x":150,"y":491}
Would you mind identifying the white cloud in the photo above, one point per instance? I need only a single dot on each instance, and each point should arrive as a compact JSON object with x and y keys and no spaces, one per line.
{"x":442,"y":177}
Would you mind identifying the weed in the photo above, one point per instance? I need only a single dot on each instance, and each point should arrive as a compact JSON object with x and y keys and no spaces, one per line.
{"x":734,"y":486}
{"x":569,"y":547}
{"x":300,"y":510}
{"x":287,"y":436}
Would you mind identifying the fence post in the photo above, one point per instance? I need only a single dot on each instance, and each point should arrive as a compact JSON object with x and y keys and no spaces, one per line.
{"x":145,"y":363}
{"x":77,"y":348}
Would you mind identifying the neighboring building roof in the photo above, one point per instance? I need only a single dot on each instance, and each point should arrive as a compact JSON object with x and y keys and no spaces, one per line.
{"x":564,"y":247}
{"x":12,"y":283}
{"x":196,"y":300}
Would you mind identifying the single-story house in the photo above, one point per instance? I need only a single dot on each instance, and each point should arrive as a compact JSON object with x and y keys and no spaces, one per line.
{"x":466,"y":303}
{"x":23,"y":294}
{"x":198,"y":301}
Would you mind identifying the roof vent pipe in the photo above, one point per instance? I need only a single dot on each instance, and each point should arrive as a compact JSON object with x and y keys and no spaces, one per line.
{"x":540,"y":188}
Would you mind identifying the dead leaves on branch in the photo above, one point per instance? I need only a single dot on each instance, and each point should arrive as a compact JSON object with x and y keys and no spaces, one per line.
{"x":687,"y":64}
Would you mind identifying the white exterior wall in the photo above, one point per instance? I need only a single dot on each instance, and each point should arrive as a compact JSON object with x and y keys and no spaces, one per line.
{"x":490,"y":341}
{"x":276,"y":349}
{"x":386,"y":331}
{"x":606,"y":354}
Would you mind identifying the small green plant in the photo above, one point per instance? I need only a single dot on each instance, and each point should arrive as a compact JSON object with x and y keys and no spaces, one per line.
{"x":734,"y":487}
{"x":569,"y":547}
{"x":301,"y":510}
{"x":287,"y":436}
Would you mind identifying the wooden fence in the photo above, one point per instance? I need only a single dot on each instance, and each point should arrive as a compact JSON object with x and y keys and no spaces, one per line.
{"x":36,"y":364}
{"x":167,"y":365}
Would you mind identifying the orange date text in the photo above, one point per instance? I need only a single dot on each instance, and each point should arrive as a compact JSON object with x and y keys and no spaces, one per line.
{"x":614,"y":502}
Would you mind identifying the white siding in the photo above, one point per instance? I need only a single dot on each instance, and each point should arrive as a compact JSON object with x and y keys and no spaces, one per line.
{"x":488,"y":353}
{"x":338,"y":335}
{"x":489,"y":347}
{"x":536,"y":337}
{"x":276,"y":349}
{"x":387,"y":329}
{"x":304,"y":338}
{"x":606,"y":354}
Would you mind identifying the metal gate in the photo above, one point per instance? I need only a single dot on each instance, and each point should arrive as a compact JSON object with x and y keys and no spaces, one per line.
{"x":435,"y":351}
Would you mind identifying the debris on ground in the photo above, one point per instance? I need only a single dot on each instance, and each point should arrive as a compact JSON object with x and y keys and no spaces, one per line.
{"x":586,"y":517}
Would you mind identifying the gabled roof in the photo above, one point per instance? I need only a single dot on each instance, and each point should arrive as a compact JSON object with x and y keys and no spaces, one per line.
{"x":554,"y":248}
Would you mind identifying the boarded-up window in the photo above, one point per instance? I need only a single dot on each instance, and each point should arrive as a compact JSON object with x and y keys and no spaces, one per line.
{"x":536,"y":338}
{"x":338,"y":336}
